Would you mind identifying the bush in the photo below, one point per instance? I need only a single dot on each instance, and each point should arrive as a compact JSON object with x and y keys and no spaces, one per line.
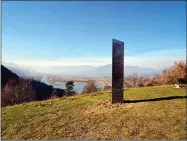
{"x":90,"y":87}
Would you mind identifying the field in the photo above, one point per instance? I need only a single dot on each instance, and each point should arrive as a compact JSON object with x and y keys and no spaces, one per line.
{"x":93,"y":117}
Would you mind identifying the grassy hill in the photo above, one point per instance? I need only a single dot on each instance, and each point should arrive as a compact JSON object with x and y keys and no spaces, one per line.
{"x":94,"y":117}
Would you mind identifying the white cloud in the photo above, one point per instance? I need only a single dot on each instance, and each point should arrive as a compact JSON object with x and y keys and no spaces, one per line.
{"x":157,"y":59}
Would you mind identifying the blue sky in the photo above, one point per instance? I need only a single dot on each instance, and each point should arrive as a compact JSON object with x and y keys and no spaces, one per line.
{"x":80,"y":33}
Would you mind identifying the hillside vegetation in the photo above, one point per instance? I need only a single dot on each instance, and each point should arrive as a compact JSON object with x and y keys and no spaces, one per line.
{"x":6,"y":75}
{"x":15,"y":90}
{"x":93,"y":116}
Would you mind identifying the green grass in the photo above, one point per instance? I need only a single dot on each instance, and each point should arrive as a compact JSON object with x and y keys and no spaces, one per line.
{"x":92,"y":117}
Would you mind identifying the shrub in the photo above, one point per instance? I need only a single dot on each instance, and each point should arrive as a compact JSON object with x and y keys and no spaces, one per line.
{"x":90,"y":87}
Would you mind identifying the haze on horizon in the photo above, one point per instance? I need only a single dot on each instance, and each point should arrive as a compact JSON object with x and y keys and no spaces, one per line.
{"x":43,"y":34}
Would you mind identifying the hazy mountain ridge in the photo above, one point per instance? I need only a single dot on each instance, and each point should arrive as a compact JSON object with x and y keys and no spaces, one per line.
{"x":21,"y":71}
{"x":101,"y":71}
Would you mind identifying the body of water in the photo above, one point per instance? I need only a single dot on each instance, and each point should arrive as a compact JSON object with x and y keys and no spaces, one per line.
{"x":78,"y":86}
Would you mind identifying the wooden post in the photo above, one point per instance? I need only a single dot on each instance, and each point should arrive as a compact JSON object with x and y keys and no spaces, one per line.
{"x":117,"y":71}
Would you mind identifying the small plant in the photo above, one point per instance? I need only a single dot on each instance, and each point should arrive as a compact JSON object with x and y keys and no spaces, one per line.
{"x":69,"y":87}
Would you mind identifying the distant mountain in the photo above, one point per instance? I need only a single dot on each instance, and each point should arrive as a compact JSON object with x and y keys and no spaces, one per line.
{"x":19,"y":70}
{"x":104,"y":70}
{"x":107,"y":70}
{"x":80,"y":71}
{"x":101,"y":71}
{"x":139,"y":70}
{"x":71,"y":70}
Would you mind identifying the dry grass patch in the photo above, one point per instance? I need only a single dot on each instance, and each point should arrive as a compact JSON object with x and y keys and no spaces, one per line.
{"x":108,"y":107}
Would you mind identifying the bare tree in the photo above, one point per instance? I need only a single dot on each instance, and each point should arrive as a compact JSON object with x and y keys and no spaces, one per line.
{"x":143,"y":81}
{"x":135,"y":80}
{"x":174,"y":73}
{"x":131,"y":80}
{"x":14,"y":92}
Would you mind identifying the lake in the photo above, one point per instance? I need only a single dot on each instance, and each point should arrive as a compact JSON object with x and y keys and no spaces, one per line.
{"x":78,"y":86}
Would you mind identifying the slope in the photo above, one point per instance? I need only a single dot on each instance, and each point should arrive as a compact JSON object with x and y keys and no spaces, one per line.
{"x":93,"y":117}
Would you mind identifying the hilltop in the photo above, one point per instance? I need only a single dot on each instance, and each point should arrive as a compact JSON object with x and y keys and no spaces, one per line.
{"x":148,"y":113}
